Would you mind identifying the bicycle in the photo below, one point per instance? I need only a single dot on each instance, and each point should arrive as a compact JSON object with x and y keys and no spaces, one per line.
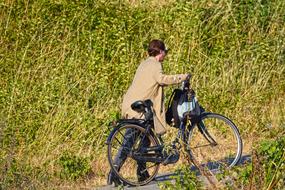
{"x":212,"y":139}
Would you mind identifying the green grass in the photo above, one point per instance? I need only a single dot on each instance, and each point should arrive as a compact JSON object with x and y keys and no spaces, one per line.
{"x":65,"y":66}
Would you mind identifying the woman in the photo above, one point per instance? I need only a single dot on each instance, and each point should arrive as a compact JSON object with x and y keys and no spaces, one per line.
{"x":148,"y":83}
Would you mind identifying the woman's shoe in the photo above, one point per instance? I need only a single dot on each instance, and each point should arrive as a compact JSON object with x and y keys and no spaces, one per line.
{"x":143,"y":176}
{"x":112,"y":178}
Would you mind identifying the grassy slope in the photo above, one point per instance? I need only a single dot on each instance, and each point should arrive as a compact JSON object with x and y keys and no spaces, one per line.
{"x":65,"y":66}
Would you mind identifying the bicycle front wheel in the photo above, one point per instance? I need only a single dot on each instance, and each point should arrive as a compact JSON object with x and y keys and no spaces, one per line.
{"x":126,"y":142}
{"x":215,"y":142}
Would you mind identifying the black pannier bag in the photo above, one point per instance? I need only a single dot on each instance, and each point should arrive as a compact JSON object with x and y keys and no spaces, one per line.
{"x":182,"y":102}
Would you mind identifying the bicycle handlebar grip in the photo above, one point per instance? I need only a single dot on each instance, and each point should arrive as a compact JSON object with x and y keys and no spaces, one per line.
{"x":188,"y":76}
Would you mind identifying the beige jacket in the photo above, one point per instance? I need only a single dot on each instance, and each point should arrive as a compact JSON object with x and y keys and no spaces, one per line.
{"x":148,"y":84}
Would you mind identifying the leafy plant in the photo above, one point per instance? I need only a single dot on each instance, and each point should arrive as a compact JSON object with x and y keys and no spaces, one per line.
{"x":184,"y":178}
{"x":265,"y":171}
{"x":273,"y":161}
{"x":74,"y":167}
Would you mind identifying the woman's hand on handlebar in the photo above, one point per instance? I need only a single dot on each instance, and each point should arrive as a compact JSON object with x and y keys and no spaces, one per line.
{"x":188,"y":76}
{"x":186,"y":82}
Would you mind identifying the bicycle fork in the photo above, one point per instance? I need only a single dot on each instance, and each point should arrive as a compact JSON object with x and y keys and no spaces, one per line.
{"x":203,"y":129}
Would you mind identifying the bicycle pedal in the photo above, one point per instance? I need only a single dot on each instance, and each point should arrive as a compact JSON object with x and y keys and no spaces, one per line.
{"x":172,"y":158}
{"x":153,"y":148}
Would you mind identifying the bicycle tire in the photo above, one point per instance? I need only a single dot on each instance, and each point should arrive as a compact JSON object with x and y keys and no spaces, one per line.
{"x":228,"y":148}
{"x":127,"y":171}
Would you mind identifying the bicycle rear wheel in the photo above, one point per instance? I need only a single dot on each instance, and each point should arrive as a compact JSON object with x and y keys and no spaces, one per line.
{"x":124,"y":144}
{"x":215,"y":142}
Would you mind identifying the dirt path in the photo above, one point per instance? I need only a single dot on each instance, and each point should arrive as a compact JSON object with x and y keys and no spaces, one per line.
{"x":168,"y":177}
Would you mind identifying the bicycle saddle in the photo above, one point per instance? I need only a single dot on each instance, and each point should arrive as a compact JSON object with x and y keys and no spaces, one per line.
{"x":139,"y":106}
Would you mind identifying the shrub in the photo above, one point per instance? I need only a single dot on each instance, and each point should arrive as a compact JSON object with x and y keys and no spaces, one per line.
{"x":74,"y":167}
{"x":184,"y":178}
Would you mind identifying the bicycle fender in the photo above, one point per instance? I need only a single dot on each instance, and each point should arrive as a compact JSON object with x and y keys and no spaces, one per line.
{"x":121,"y":123}
{"x":110,"y":135}
{"x":131,"y":121}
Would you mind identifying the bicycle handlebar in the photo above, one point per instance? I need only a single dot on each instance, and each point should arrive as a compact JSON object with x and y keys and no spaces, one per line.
{"x":186,"y":83}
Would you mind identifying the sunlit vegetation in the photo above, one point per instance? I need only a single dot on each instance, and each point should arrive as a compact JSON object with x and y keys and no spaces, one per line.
{"x":65,"y":65}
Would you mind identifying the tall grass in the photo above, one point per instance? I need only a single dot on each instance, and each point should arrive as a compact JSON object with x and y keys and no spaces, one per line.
{"x":65,"y":66}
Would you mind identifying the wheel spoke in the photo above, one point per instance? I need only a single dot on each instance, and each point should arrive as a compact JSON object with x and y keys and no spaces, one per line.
{"x":200,"y":146}
{"x":123,"y":136}
{"x":149,"y":167}
{"x":118,"y":141}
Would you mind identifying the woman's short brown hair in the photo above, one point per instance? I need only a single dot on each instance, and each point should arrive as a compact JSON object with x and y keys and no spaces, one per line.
{"x":155,"y":46}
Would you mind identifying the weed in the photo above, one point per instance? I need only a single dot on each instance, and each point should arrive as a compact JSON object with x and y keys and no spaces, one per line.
{"x":74,"y":167}
{"x":184,"y":178}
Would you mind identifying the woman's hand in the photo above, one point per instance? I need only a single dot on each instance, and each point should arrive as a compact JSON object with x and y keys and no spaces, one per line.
{"x":188,"y":76}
